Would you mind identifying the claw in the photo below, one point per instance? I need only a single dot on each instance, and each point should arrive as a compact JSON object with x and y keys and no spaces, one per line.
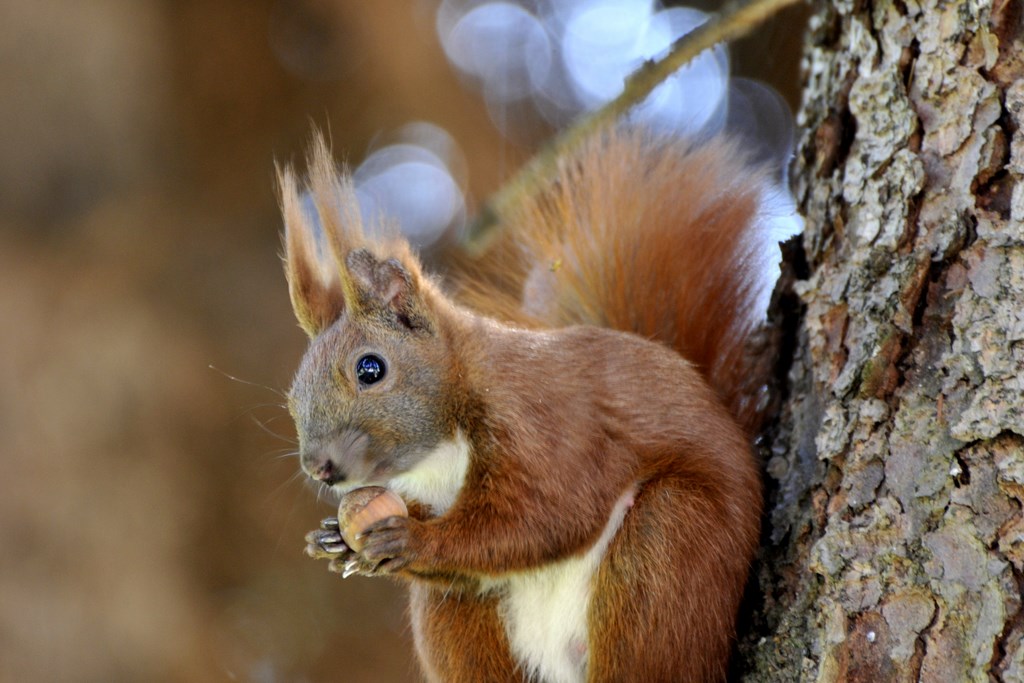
{"x":329,"y":523}
{"x":321,"y":536}
{"x":329,"y":537}
{"x":351,"y":567}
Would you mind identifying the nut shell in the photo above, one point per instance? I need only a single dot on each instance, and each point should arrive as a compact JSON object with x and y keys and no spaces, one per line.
{"x":362,"y":507}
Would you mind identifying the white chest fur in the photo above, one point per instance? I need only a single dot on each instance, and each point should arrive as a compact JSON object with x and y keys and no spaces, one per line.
{"x":545,"y":610}
{"x":436,"y":479}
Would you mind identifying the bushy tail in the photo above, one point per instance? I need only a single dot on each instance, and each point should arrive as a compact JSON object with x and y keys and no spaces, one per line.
{"x":654,"y":236}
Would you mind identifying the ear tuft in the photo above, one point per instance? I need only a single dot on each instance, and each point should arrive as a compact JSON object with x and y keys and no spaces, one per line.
{"x":313,"y":280}
{"x":329,"y":267}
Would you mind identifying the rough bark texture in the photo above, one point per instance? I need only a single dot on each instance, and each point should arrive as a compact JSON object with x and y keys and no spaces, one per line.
{"x":896,"y":536}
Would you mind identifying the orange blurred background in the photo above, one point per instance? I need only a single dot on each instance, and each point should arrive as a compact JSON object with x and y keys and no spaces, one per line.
{"x":151,"y":519}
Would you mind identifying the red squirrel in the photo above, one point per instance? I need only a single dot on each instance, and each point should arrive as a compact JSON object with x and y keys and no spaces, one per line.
{"x":571,"y":431}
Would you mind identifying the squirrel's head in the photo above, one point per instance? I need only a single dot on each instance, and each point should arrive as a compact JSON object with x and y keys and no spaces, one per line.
{"x":375,"y":393}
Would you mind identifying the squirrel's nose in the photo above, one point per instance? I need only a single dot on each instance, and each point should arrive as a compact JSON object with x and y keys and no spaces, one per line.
{"x":325,"y":471}
{"x":317,"y":463}
{"x":336,"y":459}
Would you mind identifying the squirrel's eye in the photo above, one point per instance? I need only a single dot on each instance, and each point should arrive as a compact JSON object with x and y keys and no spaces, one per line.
{"x":370,"y":369}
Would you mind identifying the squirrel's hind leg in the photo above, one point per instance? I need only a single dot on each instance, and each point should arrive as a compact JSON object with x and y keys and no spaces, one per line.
{"x":459,"y":636}
{"x":665,"y":595}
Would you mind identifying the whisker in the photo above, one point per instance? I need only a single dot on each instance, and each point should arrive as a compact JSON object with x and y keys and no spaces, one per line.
{"x":282,"y":411}
{"x":259,"y":406}
{"x":271,"y":432}
{"x":285,"y":523}
{"x":251,"y":384}
{"x":280,"y":416}
{"x":294,"y":477}
{"x":288,"y":453}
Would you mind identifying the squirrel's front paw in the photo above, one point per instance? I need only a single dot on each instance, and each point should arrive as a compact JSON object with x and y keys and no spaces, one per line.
{"x":386,"y":544}
{"x":326,"y":543}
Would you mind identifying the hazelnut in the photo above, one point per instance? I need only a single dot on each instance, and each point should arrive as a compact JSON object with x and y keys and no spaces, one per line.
{"x":362,"y":507}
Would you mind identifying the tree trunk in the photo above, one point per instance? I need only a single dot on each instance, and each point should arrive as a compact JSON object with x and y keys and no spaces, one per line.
{"x":895,"y":539}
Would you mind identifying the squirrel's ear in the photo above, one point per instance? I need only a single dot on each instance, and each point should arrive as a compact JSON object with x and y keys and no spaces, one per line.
{"x":313,"y":280}
{"x":389,"y":285}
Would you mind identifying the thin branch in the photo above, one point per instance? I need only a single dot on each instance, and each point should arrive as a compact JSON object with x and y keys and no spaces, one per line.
{"x":734,"y":21}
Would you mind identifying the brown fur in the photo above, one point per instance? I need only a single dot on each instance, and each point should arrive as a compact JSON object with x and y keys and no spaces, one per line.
{"x":441,"y":617}
{"x":647,"y":236}
{"x":562,"y":414}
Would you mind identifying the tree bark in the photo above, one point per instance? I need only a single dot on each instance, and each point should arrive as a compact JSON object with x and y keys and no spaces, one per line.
{"x":895,"y":540}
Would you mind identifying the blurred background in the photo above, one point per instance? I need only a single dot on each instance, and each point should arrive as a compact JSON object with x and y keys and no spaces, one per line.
{"x":151,"y":510}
